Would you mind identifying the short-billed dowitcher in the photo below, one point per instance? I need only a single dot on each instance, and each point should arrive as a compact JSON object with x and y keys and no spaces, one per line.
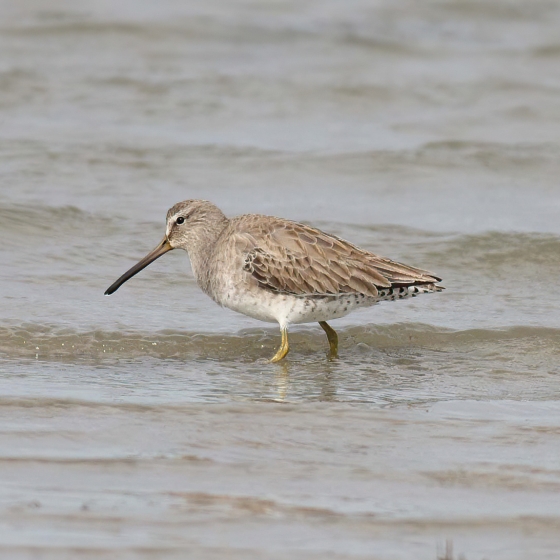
{"x":281,"y":271}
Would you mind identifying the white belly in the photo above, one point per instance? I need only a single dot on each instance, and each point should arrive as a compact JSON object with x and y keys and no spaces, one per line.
{"x":287,"y":309}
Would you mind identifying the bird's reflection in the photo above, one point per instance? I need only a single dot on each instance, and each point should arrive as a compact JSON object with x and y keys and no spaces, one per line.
{"x":282,"y":380}
{"x":316,"y":381}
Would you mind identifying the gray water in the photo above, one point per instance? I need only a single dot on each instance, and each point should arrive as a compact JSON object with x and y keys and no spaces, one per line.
{"x":146,"y":425}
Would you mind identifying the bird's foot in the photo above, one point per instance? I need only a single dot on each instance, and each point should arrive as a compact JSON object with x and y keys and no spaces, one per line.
{"x":332,"y":338}
{"x":283,"y":350}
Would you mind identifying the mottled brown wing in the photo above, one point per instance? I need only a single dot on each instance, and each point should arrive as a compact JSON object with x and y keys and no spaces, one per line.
{"x":292,"y":258}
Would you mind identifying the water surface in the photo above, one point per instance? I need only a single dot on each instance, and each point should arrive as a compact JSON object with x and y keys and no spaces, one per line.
{"x":146,"y":424}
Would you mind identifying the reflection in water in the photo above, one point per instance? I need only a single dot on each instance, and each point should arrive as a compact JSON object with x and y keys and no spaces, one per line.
{"x":282,"y":380}
{"x":322,"y":383}
{"x":327,"y":381}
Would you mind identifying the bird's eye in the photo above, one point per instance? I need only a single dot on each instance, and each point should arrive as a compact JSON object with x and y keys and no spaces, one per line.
{"x":180,"y":220}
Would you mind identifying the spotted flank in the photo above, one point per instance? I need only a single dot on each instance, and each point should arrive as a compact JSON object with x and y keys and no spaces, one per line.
{"x":393,"y":294}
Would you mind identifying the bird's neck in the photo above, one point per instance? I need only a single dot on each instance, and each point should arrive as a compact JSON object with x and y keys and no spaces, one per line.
{"x":201,"y":251}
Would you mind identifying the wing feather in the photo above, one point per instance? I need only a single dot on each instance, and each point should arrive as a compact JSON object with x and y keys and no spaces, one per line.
{"x":288,"y":257}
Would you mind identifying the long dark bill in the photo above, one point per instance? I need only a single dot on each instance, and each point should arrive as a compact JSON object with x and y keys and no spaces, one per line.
{"x":160,"y":250}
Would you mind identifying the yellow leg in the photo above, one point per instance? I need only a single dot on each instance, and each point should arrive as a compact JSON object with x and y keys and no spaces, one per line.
{"x":333,"y":338}
{"x":284,"y":347}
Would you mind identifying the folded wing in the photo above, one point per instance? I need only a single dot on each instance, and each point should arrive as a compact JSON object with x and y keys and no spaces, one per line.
{"x":287,"y":257}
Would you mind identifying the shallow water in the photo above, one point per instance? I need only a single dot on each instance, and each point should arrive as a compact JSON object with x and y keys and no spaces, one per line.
{"x":146,"y":424}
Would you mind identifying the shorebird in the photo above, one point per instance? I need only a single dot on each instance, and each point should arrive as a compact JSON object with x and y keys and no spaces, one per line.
{"x":281,"y":271}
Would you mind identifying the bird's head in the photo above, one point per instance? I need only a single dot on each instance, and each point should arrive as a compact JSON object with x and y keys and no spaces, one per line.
{"x":191,"y":225}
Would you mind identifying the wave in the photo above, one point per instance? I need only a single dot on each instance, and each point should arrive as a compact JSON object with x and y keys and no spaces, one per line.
{"x":551,"y":50}
{"x":487,"y":154}
{"x":446,"y":153}
{"x":62,"y":229}
{"x":238,"y":30}
{"x":49,"y":342}
{"x":67,"y":232}
{"x":500,"y":11}
{"x":40,"y":219}
{"x":441,"y":154}
{"x":492,"y":251}
{"x":109,"y":154}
